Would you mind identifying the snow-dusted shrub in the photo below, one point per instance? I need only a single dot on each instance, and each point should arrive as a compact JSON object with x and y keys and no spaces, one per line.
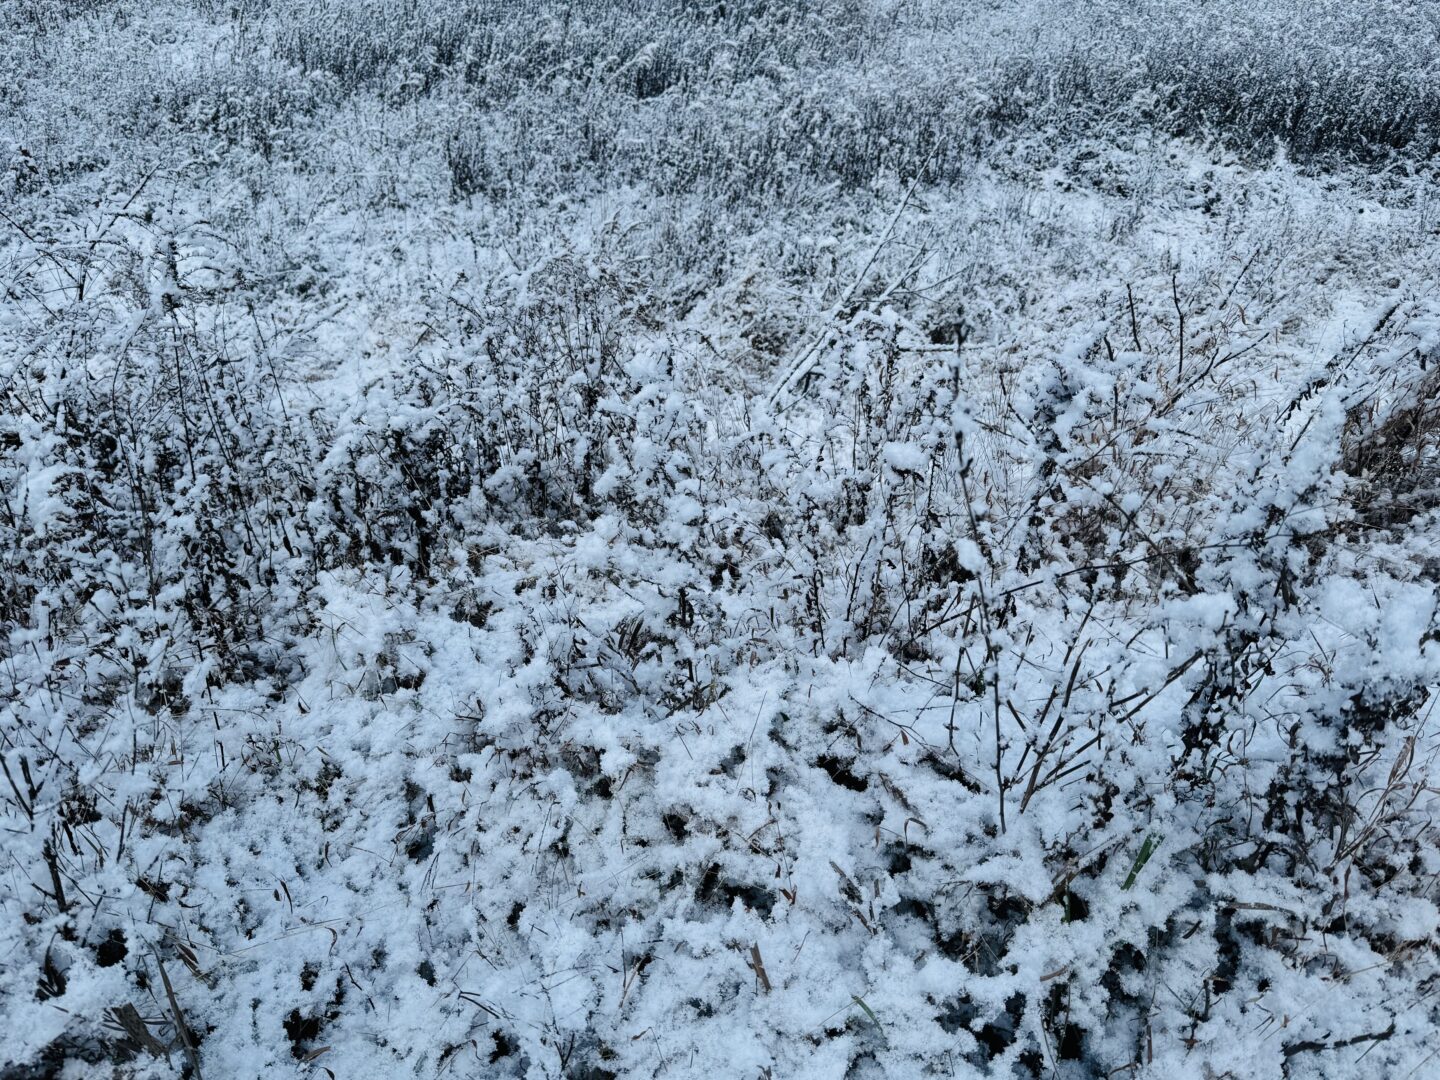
{"x":145,"y":438}
{"x":549,"y":399}
{"x":1116,"y":687}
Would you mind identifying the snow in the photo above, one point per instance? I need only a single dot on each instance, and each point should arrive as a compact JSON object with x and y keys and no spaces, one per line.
{"x":426,"y":631}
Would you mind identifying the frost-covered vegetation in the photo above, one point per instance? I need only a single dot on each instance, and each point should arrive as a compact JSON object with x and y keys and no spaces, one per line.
{"x":688,"y":538}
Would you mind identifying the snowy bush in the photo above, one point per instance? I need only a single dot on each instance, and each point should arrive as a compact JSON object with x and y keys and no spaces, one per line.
{"x":822,"y":539}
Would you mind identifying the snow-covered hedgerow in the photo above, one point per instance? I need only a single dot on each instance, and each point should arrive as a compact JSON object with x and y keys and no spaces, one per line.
{"x":541,"y":546}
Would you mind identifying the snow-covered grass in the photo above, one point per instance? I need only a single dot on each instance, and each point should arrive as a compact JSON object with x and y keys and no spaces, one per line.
{"x":827,"y":539}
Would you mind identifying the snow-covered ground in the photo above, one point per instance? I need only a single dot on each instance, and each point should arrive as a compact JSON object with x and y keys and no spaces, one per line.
{"x":833,"y":539}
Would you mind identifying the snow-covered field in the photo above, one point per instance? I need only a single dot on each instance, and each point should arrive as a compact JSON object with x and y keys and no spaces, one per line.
{"x":837,"y":538}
